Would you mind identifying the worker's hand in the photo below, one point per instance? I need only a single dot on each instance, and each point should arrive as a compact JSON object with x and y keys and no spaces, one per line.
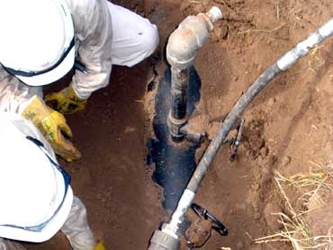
{"x":53,"y":126}
{"x":66,"y":101}
{"x":99,"y":246}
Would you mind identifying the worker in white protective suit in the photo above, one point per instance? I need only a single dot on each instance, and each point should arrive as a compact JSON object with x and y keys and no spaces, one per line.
{"x":36,"y":197}
{"x":41,"y":42}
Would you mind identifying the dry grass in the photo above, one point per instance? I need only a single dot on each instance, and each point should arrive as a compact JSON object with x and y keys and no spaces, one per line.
{"x":315,"y":61}
{"x":310,"y":188}
{"x":262,"y":30}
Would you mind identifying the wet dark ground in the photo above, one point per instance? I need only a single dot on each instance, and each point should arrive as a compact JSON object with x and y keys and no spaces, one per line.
{"x":174,"y":162}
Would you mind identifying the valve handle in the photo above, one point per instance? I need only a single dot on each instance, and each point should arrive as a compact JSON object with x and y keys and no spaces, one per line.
{"x":217,"y":224}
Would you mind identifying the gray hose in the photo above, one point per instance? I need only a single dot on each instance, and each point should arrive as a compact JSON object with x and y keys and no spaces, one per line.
{"x":227,"y":125}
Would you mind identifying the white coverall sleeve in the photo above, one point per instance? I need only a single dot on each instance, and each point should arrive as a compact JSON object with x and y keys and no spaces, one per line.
{"x":14,"y":95}
{"x":76,"y":227}
{"x":93,"y":31}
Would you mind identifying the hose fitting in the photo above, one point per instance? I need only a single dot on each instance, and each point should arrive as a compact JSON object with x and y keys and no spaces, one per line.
{"x":304,"y":47}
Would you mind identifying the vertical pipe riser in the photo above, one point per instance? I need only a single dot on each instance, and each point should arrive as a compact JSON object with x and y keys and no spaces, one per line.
{"x":181,"y":50}
{"x":179,"y":82}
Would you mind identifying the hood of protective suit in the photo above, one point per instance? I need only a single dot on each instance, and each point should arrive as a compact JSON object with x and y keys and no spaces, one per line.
{"x":32,"y":189}
{"x":38,"y":42}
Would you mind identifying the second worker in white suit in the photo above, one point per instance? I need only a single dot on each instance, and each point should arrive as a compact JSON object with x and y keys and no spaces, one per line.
{"x":36,"y":197}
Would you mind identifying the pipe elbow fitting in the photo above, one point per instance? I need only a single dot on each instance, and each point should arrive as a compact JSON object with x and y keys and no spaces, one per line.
{"x":184,"y":42}
{"x":190,"y":35}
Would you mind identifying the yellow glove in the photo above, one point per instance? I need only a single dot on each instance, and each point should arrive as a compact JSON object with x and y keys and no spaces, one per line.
{"x":99,"y":246}
{"x":66,"y":101}
{"x":53,"y":126}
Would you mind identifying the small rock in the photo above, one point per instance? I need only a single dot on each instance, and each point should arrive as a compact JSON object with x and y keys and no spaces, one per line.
{"x":257,"y":216}
{"x":256,"y":208}
{"x":99,"y":196}
{"x":285,"y":161}
{"x":220,"y":33}
{"x":198,"y":8}
{"x":240,"y":206}
{"x":249,"y":209}
{"x":258,"y":176}
{"x":266,"y":170}
{"x":260,"y":160}
{"x":271,"y":102}
{"x":256,"y":186}
{"x":205,"y":2}
{"x":264,"y":151}
{"x":271,"y":140}
{"x":240,"y":245}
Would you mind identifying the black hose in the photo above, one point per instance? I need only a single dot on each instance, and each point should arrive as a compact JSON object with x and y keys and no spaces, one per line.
{"x":228,"y":123}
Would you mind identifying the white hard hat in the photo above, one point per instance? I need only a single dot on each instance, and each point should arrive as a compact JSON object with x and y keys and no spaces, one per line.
{"x":37,"y":42}
{"x":35,"y":194}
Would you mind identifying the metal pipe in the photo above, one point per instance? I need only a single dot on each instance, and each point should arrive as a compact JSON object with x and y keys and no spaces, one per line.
{"x":285,"y":62}
{"x":178,"y":116}
{"x":179,"y":82}
{"x":181,"y":50}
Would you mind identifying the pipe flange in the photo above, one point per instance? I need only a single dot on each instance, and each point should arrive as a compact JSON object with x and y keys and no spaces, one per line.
{"x":175,"y":125}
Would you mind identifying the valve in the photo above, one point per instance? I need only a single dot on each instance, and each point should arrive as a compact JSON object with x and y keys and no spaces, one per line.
{"x":200,"y":230}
